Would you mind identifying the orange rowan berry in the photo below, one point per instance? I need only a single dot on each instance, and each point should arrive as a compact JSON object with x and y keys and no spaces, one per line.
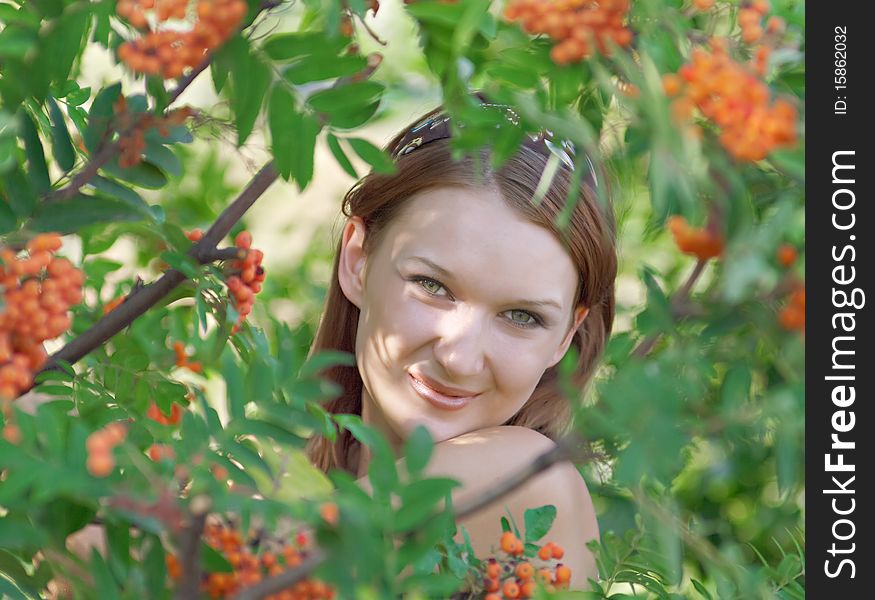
{"x":492,"y":596}
{"x":508,"y":541}
{"x":775,"y":25}
{"x":115,"y":432}
{"x":786,"y":255}
{"x":557,"y":551}
{"x":493,"y":570}
{"x":243,"y":240}
{"x":329,"y":512}
{"x":671,"y":84}
{"x":527,"y":589}
{"x":703,"y":5}
{"x":12,"y":433}
{"x":525,"y":570}
{"x":100,"y":464}
{"x":563,"y":573}
{"x":510,"y":589}
{"x":760,"y":6}
{"x":491,"y":584}
{"x":159,"y":452}
{"x":545,"y":553}
{"x":195,"y":235}
{"x":545,"y":575}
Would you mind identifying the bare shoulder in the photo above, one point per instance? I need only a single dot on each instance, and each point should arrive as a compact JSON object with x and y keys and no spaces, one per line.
{"x":482,"y":459}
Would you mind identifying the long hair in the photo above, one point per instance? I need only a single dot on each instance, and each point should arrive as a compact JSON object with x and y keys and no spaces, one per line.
{"x":589,"y":239}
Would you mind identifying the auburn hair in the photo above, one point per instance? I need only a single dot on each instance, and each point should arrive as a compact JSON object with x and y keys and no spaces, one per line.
{"x":589,"y":239}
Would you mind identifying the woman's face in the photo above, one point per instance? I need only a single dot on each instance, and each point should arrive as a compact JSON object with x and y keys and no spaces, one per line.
{"x":462,"y":296}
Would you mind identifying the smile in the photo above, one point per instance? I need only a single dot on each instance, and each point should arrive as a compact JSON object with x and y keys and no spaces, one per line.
{"x":437,"y":399}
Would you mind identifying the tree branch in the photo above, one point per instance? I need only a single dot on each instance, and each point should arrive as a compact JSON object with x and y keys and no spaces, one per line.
{"x":190,"y":550}
{"x":147,"y":296}
{"x":677,"y":301}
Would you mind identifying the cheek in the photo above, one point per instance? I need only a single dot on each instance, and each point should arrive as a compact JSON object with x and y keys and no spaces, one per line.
{"x":518,"y":366}
{"x":394,"y":324}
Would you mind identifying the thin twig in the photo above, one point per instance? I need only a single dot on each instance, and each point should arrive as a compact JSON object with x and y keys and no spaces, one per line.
{"x":284,"y":580}
{"x":676,"y":303}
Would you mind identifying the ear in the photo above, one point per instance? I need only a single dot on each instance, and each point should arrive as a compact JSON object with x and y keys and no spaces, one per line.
{"x":350,"y":268}
{"x":579,"y":315}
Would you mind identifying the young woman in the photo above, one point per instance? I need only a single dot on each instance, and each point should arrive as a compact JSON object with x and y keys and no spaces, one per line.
{"x":458,"y":296}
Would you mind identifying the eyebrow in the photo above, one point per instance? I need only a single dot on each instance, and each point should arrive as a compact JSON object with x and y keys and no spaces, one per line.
{"x":446,"y":274}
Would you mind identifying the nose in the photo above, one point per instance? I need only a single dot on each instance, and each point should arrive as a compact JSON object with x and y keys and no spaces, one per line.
{"x":462,"y":344}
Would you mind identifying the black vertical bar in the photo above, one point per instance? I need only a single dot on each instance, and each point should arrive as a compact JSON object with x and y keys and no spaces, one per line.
{"x":839,"y":240}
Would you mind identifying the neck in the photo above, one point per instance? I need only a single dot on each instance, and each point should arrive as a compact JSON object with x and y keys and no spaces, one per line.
{"x":373,"y":417}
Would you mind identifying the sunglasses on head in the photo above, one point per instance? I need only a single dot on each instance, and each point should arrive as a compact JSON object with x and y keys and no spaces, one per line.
{"x":437,"y":127}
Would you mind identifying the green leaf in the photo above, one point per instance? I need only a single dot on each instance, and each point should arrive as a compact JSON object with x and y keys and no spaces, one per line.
{"x":38,"y":170}
{"x":324,"y":359}
{"x":79,"y":96}
{"x":251,"y":79}
{"x":348,"y":103}
{"x":8,"y":221}
{"x":81,"y":210}
{"x":263,"y":429}
{"x":372,"y":155}
{"x":318,"y":68}
{"x":15,"y":42}
{"x":340,"y":156}
{"x":235,"y":385}
{"x":142,"y":174}
{"x":61,"y":143}
{"x":283,"y":119}
{"x":118,"y":191}
{"x":538,"y":522}
{"x":104,"y":584}
{"x":214,"y":561}
{"x":65,"y":39}
{"x":10,"y":591}
{"x":164,"y":158}
{"x":417,"y":450}
{"x":100,"y":116}
{"x":289,"y":46}
{"x":302,"y":135}
{"x":419,"y":500}
{"x":183,"y":263}
{"x":18,"y":193}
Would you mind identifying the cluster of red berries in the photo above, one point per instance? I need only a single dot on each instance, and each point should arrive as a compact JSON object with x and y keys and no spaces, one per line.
{"x":247,"y":277}
{"x":245,"y":273}
{"x":37,"y":291}
{"x":169,"y":52}
{"x":579,"y":26}
{"x":100,"y":444}
{"x":761,"y":39}
{"x":750,"y":17}
{"x":703,"y":243}
{"x":733,"y":98}
{"x":251,"y":566}
{"x":133,"y":143}
{"x":517,"y":577}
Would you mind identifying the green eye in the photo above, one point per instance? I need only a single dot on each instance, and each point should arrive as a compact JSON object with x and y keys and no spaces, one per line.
{"x":430,"y":285}
{"x":529,"y":319}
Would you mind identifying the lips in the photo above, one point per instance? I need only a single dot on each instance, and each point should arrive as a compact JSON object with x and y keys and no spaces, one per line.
{"x":440,"y":396}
